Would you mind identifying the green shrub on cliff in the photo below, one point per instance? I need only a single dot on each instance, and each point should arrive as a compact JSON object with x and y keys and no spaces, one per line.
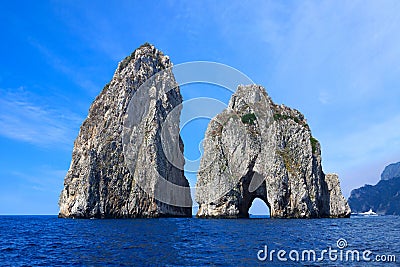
{"x":314,"y":143}
{"x":249,"y":118}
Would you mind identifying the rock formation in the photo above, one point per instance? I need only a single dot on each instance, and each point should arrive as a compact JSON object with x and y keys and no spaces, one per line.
{"x":383,"y":198}
{"x":256,"y":148}
{"x":118,"y":156}
{"x":391,"y":171}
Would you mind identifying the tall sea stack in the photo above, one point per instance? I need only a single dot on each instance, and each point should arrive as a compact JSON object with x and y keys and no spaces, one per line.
{"x":257,"y":149}
{"x":119,"y":168}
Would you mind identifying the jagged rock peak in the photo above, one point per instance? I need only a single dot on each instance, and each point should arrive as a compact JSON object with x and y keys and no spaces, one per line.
{"x":391,"y":171}
{"x":146,"y":52}
{"x":118,"y":156}
{"x":257,"y":149}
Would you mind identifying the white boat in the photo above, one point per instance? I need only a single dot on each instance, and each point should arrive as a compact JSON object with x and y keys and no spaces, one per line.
{"x":368,"y":213}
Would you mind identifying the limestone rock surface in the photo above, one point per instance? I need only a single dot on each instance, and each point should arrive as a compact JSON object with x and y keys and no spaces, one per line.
{"x":118,"y":156}
{"x":257,"y":149}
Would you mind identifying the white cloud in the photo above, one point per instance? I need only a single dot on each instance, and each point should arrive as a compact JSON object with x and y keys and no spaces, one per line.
{"x":24,"y":118}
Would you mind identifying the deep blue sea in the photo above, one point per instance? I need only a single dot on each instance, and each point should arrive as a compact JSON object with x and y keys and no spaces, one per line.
{"x":49,"y":241}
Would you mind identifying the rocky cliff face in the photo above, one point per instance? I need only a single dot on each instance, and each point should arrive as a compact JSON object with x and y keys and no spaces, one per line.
{"x":118,"y":156}
{"x":338,"y":205}
{"x":256,"y":148}
{"x":391,"y":171}
{"x":383,"y":198}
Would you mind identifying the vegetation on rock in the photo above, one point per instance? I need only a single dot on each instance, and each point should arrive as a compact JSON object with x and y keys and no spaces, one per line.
{"x":249,"y":118}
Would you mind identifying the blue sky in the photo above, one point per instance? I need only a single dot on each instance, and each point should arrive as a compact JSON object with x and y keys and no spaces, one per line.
{"x":335,"y":61}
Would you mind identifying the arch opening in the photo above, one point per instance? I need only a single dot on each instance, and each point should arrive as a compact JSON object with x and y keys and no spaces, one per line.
{"x":259,"y":209}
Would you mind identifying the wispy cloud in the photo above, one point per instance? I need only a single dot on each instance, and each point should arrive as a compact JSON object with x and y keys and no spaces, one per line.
{"x":338,"y":63}
{"x":24,"y":117}
{"x":61,"y":65}
{"x":35,"y":192}
{"x":350,"y":49}
{"x":95,"y":28}
{"x":373,"y":142}
{"x":44,"y":179}
{"x":360,"y":157}
{"x":324,"y":97}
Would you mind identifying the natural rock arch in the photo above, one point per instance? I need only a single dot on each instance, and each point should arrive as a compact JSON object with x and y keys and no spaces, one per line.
{"x":255,"y":148}
{"x":249,"y":196}
{"x":259,"y":207}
